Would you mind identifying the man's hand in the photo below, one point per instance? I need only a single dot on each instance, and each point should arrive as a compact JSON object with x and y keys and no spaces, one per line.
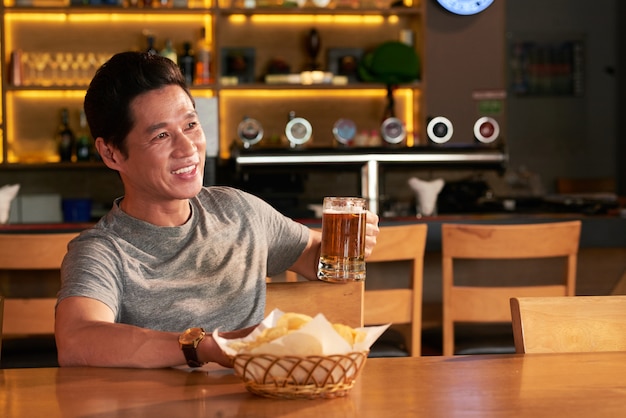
{"x":371,"y":232}
{"x":210,"y":351}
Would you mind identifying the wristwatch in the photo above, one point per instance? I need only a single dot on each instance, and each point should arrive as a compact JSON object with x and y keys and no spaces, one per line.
{"x":189,"y":341}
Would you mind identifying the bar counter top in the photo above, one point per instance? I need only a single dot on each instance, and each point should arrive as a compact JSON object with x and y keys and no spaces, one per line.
{"x":599,"y":231}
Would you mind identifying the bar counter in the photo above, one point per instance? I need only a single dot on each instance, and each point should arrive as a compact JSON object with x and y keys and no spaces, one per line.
{"x":604,"y":231}
{"x":371,"y":160}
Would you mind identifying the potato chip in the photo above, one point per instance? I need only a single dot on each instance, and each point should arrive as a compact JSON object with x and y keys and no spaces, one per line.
{"x":349,"y":334}
{"x":293,"y":343}
{"x":293,"y":321}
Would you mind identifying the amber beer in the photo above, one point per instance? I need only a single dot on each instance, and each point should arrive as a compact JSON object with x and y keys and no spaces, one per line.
{"x":342,"y":255}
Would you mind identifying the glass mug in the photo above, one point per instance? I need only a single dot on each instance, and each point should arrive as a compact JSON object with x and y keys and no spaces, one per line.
{"x":342,"y":256}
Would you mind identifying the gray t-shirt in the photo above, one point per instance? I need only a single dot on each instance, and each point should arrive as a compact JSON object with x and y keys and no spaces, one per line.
{"x":209,"y":272}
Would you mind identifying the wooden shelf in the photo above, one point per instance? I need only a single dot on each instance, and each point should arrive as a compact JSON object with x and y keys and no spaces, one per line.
{"x":409,"y":11}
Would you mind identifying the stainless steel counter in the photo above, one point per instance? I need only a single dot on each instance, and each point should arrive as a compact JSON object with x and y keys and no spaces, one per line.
{"x":370,"y":160}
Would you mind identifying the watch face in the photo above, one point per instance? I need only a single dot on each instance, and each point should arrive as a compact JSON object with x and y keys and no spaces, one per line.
{"x":191,"y":335}
{"x":465,"y":7}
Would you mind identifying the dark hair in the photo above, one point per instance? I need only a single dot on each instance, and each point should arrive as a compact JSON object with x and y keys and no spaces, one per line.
{"x":117,"y":82}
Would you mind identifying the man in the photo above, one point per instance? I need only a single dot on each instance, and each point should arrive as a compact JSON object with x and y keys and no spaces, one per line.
{"x":170,"y":255}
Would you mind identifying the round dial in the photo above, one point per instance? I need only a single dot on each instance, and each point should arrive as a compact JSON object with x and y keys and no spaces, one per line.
{"x":465,"y":7}
{"x":298,"y":131}
{"x":486,"y":130}
{"x":191,"y":336}
{"x":392,"y":130}
{"x":439,"y":130}
{"x":250,"y":132}
{"x":344,"y":131}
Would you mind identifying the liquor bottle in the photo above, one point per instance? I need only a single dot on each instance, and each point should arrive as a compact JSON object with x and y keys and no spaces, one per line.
{"x":203,"y":60}
{"x":65,"y":137}
{"x":187,"y":63}
{"x":83,"y":142}
{"x":151,"y":49}
{"x":169,"y":52}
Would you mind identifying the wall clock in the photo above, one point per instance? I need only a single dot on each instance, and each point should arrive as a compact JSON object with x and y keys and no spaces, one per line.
{"x":465,"y":7}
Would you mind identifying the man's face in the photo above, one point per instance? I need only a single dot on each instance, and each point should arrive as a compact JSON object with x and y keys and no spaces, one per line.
{"x":166,"y":148}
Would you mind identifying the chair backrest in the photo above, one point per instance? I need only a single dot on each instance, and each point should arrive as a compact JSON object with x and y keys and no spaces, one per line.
{"x":1,"y":319}
{"x":400,"y":305}
{"x":569,"y":324}
{"x":31,"y":316}
{"x":340,"y":303}
{"x":490,"y":304}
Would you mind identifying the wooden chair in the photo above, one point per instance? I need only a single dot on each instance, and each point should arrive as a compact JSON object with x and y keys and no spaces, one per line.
{"x":342,"y":303}
{"x":400,"y":306}
{"x":30,"y":317}
{"x":569,"y":324}
{"x":1,"y":320}
{"x":475,"y":303}
{"x":31,"y":252}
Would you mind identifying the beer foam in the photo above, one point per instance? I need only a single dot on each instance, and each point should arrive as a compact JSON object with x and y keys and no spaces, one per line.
{"x":347,"y":209}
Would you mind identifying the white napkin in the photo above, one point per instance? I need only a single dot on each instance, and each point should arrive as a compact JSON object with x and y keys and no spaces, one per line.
{"x":319,"y":328}
{"x":426,"y":193}
{"x":7,"y":194}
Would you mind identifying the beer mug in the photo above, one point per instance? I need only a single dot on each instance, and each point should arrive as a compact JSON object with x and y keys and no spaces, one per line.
{"x":342,"y":256}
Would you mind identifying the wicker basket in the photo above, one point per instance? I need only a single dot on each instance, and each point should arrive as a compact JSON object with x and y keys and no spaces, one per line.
{"x":291,"y":377}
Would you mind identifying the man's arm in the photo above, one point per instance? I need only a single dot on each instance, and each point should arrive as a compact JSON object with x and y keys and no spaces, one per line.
{"x":306,"y":264}
{"x":87,"y":335}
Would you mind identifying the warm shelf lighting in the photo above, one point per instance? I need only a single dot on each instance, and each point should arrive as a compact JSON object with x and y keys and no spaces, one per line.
{"x":406,"y":96}
{"x":44,"y":155}
{"x":289,"y":93}
{"x":313,"y":19}
{"x":12,"y":19}
{"x":202,"y":93}
{"x":105,"y":17}
{"x":47,"y":94}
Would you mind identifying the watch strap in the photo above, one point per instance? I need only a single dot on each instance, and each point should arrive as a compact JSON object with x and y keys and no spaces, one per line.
{"x":191,"y":355}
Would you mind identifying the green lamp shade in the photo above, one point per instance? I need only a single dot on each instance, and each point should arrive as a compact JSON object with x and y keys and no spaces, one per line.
{"x":391,"y":63}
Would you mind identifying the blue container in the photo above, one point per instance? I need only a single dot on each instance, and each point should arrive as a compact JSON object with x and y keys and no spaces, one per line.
{"x":76,"y":210}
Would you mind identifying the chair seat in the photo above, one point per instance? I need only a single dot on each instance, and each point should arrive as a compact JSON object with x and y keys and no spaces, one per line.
{"x":29,"y":352}
{"x":473,"y":339}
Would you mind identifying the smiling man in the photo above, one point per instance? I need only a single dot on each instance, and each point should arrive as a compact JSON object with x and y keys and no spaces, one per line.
{"x":172,"y":258}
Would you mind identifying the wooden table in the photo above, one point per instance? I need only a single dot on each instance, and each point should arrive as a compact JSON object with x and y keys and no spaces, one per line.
{"x":532,"y":385}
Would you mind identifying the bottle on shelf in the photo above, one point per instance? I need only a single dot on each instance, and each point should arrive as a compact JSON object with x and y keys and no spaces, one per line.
{"x":187,"y":63}
{"x":83,"y":141}
{"x":168,"y":51}
{"x":65,"y":137}
{"x":203,"y":59}
{"x":150,"y":41}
